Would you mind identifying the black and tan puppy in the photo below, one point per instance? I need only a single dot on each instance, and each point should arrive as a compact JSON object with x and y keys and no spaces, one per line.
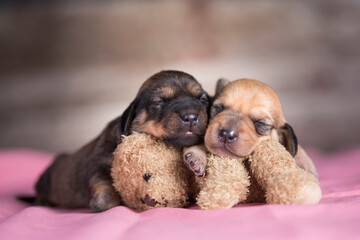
{"x":170,"y":105}
{"x":243,"y":113}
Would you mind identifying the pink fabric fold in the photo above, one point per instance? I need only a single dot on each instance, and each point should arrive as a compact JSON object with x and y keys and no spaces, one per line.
{"x":335,"y":217}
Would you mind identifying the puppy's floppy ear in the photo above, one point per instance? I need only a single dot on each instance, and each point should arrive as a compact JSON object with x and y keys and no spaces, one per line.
{"x":119,"y":126}
{"x":220,"y":84}
{"x":127,"y":117}
{"x":289,"y":139}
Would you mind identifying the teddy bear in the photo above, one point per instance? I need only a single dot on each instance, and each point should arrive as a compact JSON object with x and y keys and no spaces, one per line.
{"x":148,"y":173}
{"x":269,"y":174}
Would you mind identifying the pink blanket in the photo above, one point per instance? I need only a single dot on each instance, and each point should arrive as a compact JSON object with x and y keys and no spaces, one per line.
{"x":337,"y":216}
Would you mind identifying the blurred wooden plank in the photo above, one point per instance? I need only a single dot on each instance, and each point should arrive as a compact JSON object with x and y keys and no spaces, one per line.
{"x":66,"y":70}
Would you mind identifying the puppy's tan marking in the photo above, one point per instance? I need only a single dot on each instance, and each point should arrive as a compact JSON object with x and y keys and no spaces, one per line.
{"x":194,"y":89}
{"x":151,"y":127}
{"x":100,"y":186}
{"x":140,"y":119}
{"x":104,"y":195}
{"x":167,"y":92}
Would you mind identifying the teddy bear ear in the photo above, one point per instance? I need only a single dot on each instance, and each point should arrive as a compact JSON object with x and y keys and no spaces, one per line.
{"x":289,"y":139}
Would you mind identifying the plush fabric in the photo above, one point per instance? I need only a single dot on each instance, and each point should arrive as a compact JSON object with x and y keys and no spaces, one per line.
{"x":337,"y":216}
{"x":141,"y":153}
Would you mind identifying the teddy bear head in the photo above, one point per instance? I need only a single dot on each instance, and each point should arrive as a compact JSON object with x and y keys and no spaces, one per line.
{"x":149,"y":173}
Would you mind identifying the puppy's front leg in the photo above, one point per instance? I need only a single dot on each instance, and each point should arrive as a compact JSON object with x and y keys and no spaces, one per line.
{"x":196,"y":159}
{"x":103,"y":195}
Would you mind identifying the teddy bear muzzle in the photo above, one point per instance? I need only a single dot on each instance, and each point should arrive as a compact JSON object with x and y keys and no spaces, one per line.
{"x":151,"y":202}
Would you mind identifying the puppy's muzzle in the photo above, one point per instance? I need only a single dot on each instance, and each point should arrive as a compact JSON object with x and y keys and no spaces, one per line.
{"x":227,"y":136}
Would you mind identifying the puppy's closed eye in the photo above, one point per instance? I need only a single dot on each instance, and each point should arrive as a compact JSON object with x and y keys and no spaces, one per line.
{"x":156,"y":106}
{"x":262,"y":128}
{"x":216,"y":109}
{"x":158,"y":102}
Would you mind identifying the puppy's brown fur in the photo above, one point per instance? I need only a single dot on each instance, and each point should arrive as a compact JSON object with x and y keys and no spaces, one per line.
{"x":245,"y":112}
{"x":170,"y":105}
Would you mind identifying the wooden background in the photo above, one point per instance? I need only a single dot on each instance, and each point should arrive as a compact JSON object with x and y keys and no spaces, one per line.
{"x":67,"y":69}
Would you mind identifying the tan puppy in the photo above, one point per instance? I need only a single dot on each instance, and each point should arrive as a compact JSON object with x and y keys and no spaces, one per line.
{"x":245,"y":112}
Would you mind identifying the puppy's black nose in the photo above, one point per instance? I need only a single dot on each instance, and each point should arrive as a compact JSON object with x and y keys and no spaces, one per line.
{"x":190,"y":119}
{"x":227,"y":136}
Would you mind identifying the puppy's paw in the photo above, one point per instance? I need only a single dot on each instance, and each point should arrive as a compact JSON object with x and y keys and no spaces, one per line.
{"x":196,"y":161}
{"x":103,"y":201}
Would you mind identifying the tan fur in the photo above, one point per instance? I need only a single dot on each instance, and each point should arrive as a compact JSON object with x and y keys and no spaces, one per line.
{"x":225,"y":184}
{"x":279,"y":176}
{"x":102,"y":188}
{"x":140,"y":119}
{"x":252,"y":98}
{"x":139,"y":154}
{"x":274,"y":175}
{"x":245,"y":100}
{"x":271,"y":175}
{"x":151,"y":127}
{"x":247,"y":135}
{"x":194,"y":89}
{"x":256,"y":193}
{"x":167,"y":92}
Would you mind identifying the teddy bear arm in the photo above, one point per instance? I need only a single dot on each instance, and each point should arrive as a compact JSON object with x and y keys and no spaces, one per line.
{"x":225,"y":184}
{"x":279,"y":176}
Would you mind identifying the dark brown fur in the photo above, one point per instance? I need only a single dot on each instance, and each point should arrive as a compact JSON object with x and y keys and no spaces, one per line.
{"x":161,"y":108}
